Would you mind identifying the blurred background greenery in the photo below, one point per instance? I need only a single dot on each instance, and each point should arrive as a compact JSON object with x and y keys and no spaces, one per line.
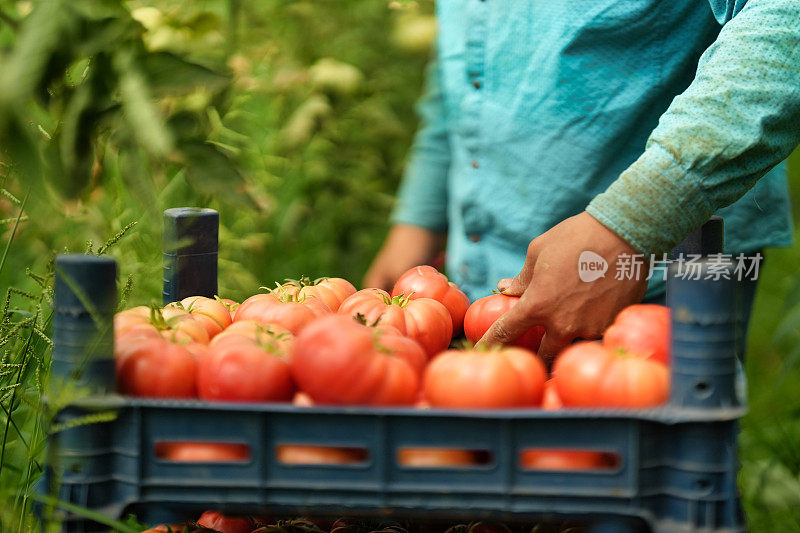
{"x":293,"y":119}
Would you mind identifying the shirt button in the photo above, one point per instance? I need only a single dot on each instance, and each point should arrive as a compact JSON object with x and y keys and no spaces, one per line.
{"x":476,"y":84}
{"x":475,"y":237}
{"x":474,"y":164}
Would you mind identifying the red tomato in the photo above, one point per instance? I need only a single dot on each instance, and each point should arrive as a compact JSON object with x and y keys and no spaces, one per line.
{"x":424,"y":320}
{"x":253,"y":330}
{"x":230,"y":305}
{"x":427,"y":282}
{"x":587,"y":374}
{"x":497,"y":378}
{"x":578,"y":372}
{"x":641,"y":329}
{"x":130,"y":318}
{"x":156,"y":368}
{"x":318,"y":455}
{"x":634,"y":382}
{"x":211,"y":314}
{"x":563,"y":460}
{"x":202,"y":452}
{"x":301,"y":399}
{"x":162,"y":528}
{"x":225,"y":524}
{"x":550,"y":399}
{"x":485,"y":311}
{"x":331,"y":291}
{"x":337,"y":361}
{"x":240,"y":369}
{"x":435,"y":457}
{"x":282,"y":308}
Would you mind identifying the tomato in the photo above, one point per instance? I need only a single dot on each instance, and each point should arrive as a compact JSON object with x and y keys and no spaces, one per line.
{"x":252,"y":330}
{"x":240,"y":369}
{"x":433,"y":457}
{"x":427,"y":282}
{"x":578,"y":372}
{"x":485,"y":379}
{"x":642,"y":329}
{"x":301,"y":399}
{"x":318,"y":455}
{"x":211,"y":314}
{"x":424,"y":320}
{"x":156,"y":368}
{"x":230,"y":305}
{"x":162,"y":528}
{"x":485,"y":311}
{"x":587,"y":374}
{"x":563,"y":460}
{"x":331,"y":291}
{"x":225,"y":524}
{"x":130,"y":318}
{"x":634,"y":382}
{"x":550,"y":399}
{"x":337,"y":361}
{"x":202,"y":452}
{"x":282,"y":308}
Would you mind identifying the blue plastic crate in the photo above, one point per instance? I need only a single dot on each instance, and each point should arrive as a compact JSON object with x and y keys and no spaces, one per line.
{"x":676,"y":467}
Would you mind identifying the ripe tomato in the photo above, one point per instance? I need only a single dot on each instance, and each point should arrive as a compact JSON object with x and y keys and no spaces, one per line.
{"x":130,"y":318}
{"x":240,"y":369}
{"x":230,"y":305}
{"x":301,"y":399}
{"x":587,"y":374}
{"x":225,"y":524}
{"x":490,"y":379}
{"x":297,"y":454}
{"x":211,"y":314}
{"x":337,"y":361}
{"x":331,"y":291}
{"x":427,"y":282}
{"x":435,"y":457}
{"x":252,"y":330}
{"x":485,"y":311}
{"x":634,"y":382}
{"x":424,"y":320}
{"x":550,"y":399}
{"x":202,"y":452}
{"x":156,"y":368}
{"x":282,"y":308}
{"x":563,"y":460}
{"x":642,"y":329}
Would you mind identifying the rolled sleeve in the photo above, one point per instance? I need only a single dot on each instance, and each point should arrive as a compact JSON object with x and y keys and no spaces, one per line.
{"x":738,"y":119}
{"x":422,"y":197}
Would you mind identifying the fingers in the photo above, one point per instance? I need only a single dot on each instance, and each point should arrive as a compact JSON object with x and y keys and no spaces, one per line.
{"x":516,"y":286}
{"x":511,"y":326}
{"x":551,"y":346}
{"x":379,"y":279}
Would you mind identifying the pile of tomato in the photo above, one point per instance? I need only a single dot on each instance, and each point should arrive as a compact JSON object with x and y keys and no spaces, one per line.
{"x":215,"y":522}
{"x":323,"y":342}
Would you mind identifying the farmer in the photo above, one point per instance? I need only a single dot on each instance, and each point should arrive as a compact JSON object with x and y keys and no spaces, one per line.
{"x":550,"y":128}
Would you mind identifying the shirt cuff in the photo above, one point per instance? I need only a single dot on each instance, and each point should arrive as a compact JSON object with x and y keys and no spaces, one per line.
{"x":422,"y":198}
{"x":654,"y":204}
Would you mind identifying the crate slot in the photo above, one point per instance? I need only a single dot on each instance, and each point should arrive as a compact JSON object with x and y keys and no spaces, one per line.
{"x":202,"y":452}
{"x":311,"y":455}
{"x":569,"y":460}
{"x":443,"y":457}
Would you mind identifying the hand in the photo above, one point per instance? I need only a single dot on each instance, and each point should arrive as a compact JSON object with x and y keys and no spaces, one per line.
{"x":405,"y":247}
{"x":552,"y":294}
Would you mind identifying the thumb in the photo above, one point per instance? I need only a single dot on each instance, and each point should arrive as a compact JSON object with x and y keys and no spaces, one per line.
{"x":516,"y":286}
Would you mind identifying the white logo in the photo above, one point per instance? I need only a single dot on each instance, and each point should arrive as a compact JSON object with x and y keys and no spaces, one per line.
{"x":591,"y":266}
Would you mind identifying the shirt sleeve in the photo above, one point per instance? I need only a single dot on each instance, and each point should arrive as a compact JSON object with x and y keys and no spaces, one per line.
{"x":738,"y":119}
{"x":422,"y":197}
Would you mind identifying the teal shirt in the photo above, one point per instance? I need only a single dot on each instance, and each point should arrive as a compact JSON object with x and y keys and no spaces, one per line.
{"x":652,"y":115}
